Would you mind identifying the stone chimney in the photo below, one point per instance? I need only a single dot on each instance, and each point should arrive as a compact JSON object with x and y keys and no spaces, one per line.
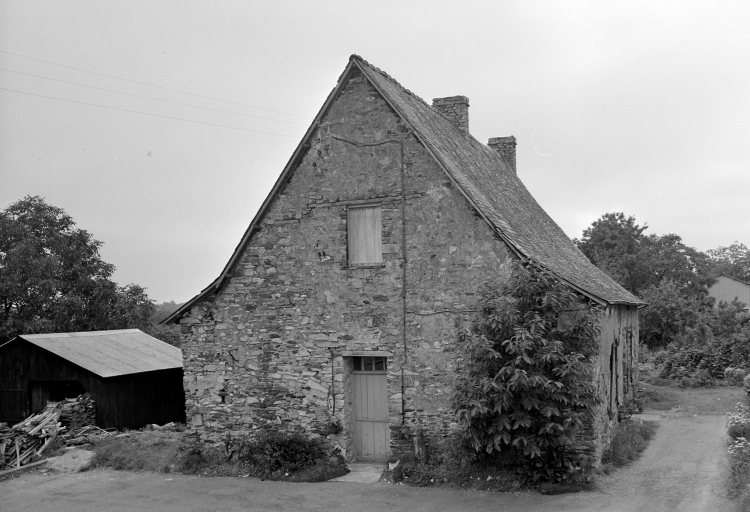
{"x":506,"y":146}
{"x":456,"y":109}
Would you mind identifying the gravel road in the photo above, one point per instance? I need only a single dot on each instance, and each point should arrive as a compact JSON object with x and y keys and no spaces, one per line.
{"x":684,"y":469}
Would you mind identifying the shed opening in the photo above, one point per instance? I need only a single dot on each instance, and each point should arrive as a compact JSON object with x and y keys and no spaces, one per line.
{"x":43,"y":391}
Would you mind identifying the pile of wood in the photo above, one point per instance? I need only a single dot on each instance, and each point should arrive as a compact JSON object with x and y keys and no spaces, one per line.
{"x":71,"y":419}
{"x":78,"y":412}
{"x":19,"y":444}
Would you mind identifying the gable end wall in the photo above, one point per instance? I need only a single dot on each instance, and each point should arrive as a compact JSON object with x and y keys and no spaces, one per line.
{"x":266,"y":350}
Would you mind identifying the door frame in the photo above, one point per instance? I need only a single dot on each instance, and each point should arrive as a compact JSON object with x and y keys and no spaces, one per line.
{"x":354,"y":371}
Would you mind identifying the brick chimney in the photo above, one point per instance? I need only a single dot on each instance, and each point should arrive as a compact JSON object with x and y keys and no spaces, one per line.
{"x":506,"y":146}
{"x":456,"y":109}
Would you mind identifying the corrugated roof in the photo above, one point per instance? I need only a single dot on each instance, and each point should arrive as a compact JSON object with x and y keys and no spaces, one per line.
{"x":485,"y":180}
{"x":110,"y":353}
{"x":497,"y":193}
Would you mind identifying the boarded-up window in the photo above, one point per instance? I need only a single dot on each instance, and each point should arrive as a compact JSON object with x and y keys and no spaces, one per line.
{"x":364,"y":233}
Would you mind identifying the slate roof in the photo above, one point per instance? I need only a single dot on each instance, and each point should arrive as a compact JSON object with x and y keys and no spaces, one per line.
{"x":110,"y":353}
{"x":495,"y":190}
{"x":485,"y":180}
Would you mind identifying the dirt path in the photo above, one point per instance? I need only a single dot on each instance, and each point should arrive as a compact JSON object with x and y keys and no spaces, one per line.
{"x":683,"y":470}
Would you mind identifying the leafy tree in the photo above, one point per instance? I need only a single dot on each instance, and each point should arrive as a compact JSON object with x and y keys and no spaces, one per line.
{"x":614,"y":244}
{"x":668,"y":259}
{"x":733,"y":261}
{"x":670,"y":311}
{"x":667,"y":274}
{"x":163,"y":310}
{"x":52,"y":278}
{"x":526,"y":390}
{"x":617,"y":245}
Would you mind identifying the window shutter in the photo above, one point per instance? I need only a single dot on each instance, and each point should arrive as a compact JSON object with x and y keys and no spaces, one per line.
{"x":364,"y":233}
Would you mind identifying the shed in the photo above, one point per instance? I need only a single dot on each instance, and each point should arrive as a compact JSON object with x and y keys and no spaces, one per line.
{"x":135,"y":378}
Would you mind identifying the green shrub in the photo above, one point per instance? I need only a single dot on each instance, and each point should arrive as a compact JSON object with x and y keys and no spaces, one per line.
{"x":738,"y":428}
{"x":734,"y":376}
{"x":739,"y":463}
{"x":738,"y":422}
{"x":629,"y":439}
{"x":526,"y":389}
{"x":280,"y":452}
{"x":631,"y":406}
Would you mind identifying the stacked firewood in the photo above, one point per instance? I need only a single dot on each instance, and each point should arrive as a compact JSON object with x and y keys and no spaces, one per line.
{"x":19,"y":444}
{"x":78,"y":412}
{"x":72,"y":419}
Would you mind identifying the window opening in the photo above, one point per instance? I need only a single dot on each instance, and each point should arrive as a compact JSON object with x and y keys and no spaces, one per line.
{"x":364,"y":235}
{"x":369,"y":364}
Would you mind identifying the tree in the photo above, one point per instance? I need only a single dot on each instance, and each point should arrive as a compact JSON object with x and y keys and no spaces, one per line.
{"x":52,"y":278}
{"x":527,"y":387}
{"x":667,"y":274}
{"x":614,"y":244}
{"x":667,"y":259}
{"x":733,"y":261}
{"x":669,"y":313}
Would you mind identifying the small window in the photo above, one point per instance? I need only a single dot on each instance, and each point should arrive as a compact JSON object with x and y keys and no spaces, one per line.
{"x":369,"y":364}
{"x":364,"y":228}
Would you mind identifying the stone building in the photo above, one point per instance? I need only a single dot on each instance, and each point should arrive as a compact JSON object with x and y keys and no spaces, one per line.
{"x":339,"y":311}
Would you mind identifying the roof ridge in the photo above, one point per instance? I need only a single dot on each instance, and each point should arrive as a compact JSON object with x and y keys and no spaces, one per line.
{"x":732,"y":277}
{"x":410,"y":93}
{"x":389,"y":77}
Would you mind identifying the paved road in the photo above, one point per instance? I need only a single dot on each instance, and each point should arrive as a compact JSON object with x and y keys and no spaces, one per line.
{"x":683,"y":470}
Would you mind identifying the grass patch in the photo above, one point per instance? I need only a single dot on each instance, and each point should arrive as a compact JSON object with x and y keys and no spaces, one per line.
{"x":660,"y":398}
{"x":139,"y":451}
{"x":477,"y":475}
{"x":320,"y":472}
{"x":630,"y":438}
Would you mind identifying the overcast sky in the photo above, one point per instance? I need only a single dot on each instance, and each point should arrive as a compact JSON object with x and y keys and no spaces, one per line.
{"x":640,"y":107}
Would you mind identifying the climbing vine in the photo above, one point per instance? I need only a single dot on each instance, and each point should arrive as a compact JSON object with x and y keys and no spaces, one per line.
{"x":526,"y":387}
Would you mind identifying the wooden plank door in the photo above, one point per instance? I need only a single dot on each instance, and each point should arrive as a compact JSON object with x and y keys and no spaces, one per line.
{"x":371,"y":420}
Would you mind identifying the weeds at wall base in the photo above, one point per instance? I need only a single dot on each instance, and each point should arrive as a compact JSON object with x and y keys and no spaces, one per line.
{"x":304,"y":460}
{"x":629,"y":440}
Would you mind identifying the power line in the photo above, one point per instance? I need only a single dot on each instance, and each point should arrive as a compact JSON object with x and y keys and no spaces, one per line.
{"x":147,"y":113}
{"x":150,"y":85}
{"x":150,"y":97}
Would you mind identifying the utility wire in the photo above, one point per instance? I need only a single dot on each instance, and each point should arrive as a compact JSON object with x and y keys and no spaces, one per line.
{"x":150,"y":85}
{"x":150,"y":97}
{"x":147,"y":113}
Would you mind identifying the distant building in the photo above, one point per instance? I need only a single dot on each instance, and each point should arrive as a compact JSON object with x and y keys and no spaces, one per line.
{"x":134,"y":378}
{"x":728,"y":288}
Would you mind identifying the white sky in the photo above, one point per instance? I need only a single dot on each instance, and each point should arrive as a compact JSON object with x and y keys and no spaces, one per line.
{"x":639,"y":107}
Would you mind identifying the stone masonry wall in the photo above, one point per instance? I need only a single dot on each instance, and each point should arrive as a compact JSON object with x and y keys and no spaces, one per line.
{"x":271,"y":349}
{"x":618,"y":344}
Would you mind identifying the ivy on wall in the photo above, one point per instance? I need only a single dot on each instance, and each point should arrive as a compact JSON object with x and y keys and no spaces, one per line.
{"x":526,"y":388}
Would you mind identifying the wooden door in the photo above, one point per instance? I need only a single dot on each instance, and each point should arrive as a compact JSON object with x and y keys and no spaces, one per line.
{"x":371,"y":421}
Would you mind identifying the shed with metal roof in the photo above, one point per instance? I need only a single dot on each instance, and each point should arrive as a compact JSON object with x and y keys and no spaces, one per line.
{"x":134,"y":378}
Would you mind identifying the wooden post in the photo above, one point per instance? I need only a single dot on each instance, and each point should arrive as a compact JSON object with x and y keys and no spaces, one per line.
{"x":18,"y":455}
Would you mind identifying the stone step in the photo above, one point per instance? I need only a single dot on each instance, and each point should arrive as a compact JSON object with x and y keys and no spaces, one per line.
{"x":362,"y":472}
